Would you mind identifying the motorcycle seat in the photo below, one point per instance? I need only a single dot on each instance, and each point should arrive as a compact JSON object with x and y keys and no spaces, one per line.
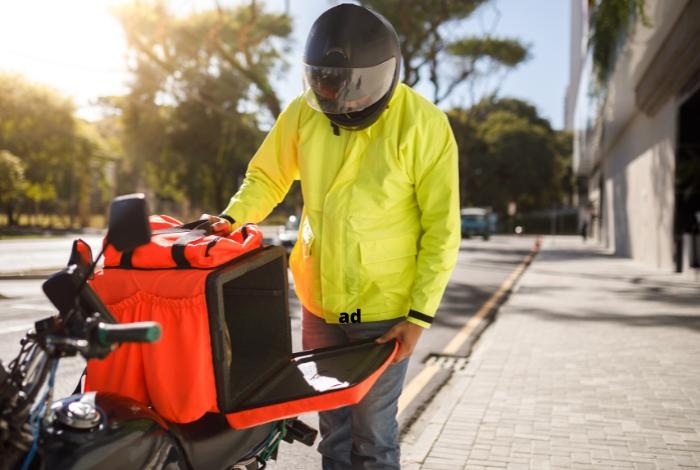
{"x":211,"y":444}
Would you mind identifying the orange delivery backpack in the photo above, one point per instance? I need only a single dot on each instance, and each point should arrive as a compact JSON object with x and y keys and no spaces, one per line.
{"x":222,"y":303}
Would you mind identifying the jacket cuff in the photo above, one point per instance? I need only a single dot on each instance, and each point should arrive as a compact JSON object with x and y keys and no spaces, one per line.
{"x":225,"y":216}
{"x":420,"y":319}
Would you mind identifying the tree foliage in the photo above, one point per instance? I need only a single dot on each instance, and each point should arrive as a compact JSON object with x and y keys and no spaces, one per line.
{"x":201,"y":96}
{"x":37,"y":125}
{"x":12,"y":184}
{"x":433,"y":51}
{"x":192,"y":118}
{"x":610,"y":21}
{"x":508,"y":153}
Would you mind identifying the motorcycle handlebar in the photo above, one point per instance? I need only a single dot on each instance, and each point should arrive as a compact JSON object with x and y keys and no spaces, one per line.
{"x":139,"y":332}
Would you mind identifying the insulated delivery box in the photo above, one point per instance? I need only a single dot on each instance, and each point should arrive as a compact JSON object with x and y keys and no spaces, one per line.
{"x":222,"y":303}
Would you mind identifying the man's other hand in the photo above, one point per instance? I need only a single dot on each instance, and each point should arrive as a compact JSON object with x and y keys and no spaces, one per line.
{"x":407,"y":334}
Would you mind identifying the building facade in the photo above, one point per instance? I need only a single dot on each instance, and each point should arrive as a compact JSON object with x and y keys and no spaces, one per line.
{"x":637,"y":135}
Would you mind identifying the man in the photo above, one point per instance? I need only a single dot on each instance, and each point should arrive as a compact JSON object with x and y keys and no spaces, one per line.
{"x":380,"y":227}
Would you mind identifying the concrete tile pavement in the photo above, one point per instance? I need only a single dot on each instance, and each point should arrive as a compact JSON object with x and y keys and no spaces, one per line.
{"x":592,"y":363}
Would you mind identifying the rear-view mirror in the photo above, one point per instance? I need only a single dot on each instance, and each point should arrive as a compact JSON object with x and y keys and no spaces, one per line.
{"x":81,"y":255}
{"x":128,"y":222}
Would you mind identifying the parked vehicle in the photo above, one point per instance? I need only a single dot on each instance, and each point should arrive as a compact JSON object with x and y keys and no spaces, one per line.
{"x":109,"y":431}
{"x":476,"y":222}
{"x":287,"y":235}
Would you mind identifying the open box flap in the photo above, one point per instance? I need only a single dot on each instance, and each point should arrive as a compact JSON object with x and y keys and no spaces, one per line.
{"x":315,"y":380}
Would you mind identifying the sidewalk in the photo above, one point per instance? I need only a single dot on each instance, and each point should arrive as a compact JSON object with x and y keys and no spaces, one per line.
{"x":592,"y":363}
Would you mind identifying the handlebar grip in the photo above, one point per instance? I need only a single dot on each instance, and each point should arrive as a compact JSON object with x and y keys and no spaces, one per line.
{"x":138,"y":332}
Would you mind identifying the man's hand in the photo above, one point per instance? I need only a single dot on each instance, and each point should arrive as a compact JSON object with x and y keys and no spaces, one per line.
{"x":219,"y":226}
{"x":407,"y":334}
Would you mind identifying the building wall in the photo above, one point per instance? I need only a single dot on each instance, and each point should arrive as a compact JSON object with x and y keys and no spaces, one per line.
{"x":639,"y":183}
{"x":630,"y":158}
{"x":577,"y":53}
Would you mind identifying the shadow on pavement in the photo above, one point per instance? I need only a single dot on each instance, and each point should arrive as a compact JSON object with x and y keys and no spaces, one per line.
{"x":650,"y":320}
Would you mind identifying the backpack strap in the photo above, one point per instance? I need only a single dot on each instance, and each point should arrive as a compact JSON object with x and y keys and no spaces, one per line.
{"x":125,"y":260}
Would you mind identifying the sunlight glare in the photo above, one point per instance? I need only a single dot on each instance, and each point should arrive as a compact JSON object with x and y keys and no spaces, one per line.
{"x":74,"y":46}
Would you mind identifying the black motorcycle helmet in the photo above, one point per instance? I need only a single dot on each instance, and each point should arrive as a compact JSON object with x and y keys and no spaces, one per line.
{"x":351,"y":65}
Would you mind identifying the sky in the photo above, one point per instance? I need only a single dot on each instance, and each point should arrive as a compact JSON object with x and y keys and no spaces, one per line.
{"x":78,"y":48}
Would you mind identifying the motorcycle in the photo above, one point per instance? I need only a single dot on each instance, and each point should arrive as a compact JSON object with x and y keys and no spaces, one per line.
{"x":106,"y":430}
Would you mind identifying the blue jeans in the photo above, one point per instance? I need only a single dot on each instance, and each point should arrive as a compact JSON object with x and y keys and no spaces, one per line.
{"x":366,"y":435}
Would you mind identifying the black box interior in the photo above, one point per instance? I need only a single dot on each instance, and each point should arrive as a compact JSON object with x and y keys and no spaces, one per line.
{"x":250,"y":329}
{"x":310,"y":373}
{"x":248,"y":321}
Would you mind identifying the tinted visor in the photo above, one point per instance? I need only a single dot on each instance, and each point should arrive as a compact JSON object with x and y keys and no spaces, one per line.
{"x":337,"y":90}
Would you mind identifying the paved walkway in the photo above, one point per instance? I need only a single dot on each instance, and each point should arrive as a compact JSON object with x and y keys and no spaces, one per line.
{"x":593,"y":363}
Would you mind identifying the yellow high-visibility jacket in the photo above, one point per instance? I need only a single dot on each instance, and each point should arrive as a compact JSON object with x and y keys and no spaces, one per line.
{"x":380,"y":229}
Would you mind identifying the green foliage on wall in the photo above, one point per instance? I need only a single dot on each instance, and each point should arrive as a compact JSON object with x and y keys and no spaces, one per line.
{"x":610,"y":21}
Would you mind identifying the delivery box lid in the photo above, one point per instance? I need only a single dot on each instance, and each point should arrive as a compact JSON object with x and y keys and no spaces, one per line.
{"x":314,"y":380}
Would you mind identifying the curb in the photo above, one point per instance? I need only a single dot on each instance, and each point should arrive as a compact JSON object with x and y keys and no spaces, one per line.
{"x":34,"y":274}
{"x":438,"y":373}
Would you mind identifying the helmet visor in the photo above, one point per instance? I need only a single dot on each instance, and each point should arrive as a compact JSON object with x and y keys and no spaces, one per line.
{"x":338,"y":90}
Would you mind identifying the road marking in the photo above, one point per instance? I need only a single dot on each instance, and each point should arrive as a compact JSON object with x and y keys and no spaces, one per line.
{"x":425,"y":376}
{"x":410,"y":392}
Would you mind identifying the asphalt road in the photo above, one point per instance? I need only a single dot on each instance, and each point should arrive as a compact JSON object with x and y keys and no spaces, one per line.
{"x":482,"y":268}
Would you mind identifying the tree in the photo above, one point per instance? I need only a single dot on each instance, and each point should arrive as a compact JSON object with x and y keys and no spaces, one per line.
{"x":110,"y":131}
{"x":193,"y":115}
{"x":508,"y":153}
{"x":472,"y":154}
{"x":240,"y":47}
{"x":91,"y":155}
{"x":38,"y":125}
{"x":491,"y":104}
{"x":521,"y":159}
{"x":12,"y":184}
{"x":564,"y":149}
{"x":432,"y":51}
